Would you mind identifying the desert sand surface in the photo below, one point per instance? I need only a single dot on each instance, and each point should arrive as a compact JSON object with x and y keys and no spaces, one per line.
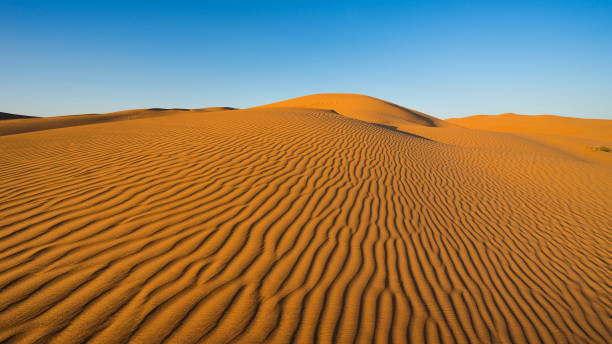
{"x":575,"y":136}
{"x":24,"y":124}
{"x":327,"y":218}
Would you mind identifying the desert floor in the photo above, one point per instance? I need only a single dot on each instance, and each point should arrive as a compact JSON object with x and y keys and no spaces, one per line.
{"x":327,"y":218}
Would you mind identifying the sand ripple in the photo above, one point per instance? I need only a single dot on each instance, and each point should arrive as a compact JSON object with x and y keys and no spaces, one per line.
{"x":296,"y":225}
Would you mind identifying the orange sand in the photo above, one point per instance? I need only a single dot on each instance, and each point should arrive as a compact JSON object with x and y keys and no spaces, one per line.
{"x":574,"y":136}
{"x":301,"y":222}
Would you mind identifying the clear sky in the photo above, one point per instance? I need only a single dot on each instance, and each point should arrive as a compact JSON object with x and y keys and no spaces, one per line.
{"x":445,"y":58}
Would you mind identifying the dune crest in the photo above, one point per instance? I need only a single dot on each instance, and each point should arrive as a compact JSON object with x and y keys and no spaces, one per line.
{"x":298,"y":225}
{"x":594,"y":129}
{"x":364,"y":108}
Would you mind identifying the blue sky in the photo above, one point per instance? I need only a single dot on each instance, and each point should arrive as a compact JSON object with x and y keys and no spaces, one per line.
{"x":445,"y":58}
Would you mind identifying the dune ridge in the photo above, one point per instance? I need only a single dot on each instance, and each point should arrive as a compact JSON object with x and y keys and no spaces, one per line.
{"x":24,"y":125}
{"x":365,"y":108}
{"x":592,"y":129}
{"x":287,"y":224}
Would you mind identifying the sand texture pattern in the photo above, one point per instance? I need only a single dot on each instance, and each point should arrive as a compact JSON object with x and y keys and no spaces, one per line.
{"x":299,"y":224}
{"x":574,"y":136}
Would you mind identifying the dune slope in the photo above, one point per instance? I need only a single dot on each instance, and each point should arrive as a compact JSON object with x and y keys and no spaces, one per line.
{"x":297,"y":225}
{"x":597,"y":129}
{"x":574,"y":136}
{"x":24,"y":125}
{"x":361,"y":107}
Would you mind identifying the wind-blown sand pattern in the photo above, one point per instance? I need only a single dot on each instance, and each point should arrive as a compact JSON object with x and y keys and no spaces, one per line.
{"x":299,"y":224}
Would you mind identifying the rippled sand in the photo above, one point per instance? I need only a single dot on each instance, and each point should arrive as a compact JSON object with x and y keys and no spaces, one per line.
{"x":328,"y":218}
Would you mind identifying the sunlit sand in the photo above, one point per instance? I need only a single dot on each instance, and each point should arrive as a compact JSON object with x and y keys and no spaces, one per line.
{"x":326,"y":218}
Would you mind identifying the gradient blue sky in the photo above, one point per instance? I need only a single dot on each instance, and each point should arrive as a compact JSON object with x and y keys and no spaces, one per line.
{"x":445,"y":58}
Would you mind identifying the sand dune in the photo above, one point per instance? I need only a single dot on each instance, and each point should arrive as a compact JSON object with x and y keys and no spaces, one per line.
{"x":45,"y":123}
{"x":299,"y":222}
{"x":6,"y":115}
{"x":362,"y":107}
{"x":595,"y":129}
{"x":573,"y":136}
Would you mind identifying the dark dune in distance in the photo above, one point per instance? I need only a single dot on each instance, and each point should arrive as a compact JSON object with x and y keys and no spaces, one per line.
{"x":6,"y":115}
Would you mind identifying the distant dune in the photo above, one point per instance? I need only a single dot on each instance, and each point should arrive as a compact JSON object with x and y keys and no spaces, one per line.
{"x":6,"y":115}
{"x":45,"y":123}
{"x":326,"y":218}
{"x":575,"y":136}
{"x":594,"y":129}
